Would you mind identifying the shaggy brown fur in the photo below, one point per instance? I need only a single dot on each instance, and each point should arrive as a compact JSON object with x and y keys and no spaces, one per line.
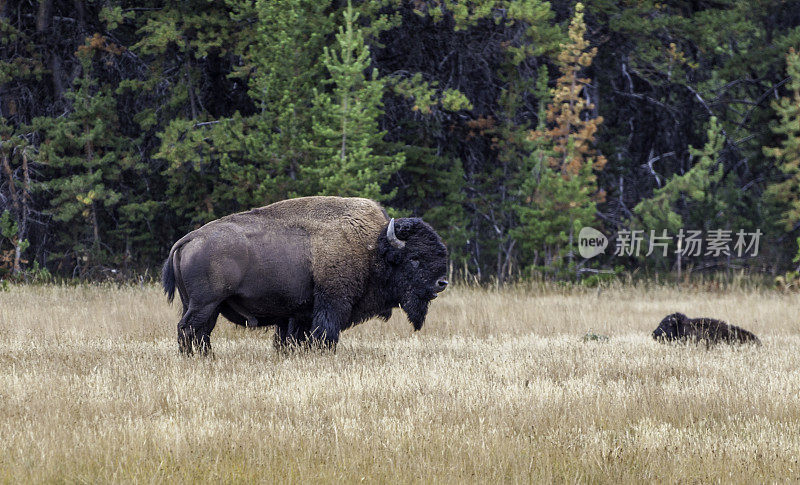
{"x":680,"y":327}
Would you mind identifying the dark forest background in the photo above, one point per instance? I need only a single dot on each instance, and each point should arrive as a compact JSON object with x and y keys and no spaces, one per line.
{"x":508,"y":125}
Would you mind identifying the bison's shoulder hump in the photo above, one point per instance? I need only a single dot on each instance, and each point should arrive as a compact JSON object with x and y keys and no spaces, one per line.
{"x":323,"y":210}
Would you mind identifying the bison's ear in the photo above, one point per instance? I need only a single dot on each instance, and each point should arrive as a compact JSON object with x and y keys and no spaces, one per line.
{"x":394,"y":238}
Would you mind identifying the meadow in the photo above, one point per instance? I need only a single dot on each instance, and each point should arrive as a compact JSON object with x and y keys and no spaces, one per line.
{"x":499,"y":386}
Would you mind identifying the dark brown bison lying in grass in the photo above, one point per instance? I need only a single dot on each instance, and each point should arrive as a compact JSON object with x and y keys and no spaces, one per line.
{"x":682,"y":328}
{"x":311,"y":266}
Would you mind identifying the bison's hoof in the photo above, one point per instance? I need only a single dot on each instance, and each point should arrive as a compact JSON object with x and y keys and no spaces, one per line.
{"x":322,"y":344}
{"x":188,"y":346}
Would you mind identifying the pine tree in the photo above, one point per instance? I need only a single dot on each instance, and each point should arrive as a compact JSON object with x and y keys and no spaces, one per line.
{"x":787,"y":192}
{"x":493,"y":191}
{"x":572,"y":129}
{"x":692,"y":189}
{"x":286,"y":63}
{"x":16,"y":168}
{"x":559,"y":186}
{"x":351,"y":157}
{"x":85,"y":155}
{"x":228,"y":164}
{"x":216,"y":168}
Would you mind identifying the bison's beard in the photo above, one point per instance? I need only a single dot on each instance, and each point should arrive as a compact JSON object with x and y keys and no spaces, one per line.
{"x":416,"y":309}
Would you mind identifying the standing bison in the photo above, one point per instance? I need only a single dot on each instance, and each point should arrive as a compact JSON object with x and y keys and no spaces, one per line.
{"x":312,"y":266}
{"x":678,"y":326}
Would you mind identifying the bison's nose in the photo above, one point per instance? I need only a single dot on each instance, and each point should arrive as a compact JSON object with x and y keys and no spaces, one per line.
{"x":441,"y":284}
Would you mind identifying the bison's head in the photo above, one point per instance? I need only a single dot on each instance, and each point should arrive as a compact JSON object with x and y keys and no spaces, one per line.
{"x":417,"y":262}
{"x":672,"y":327}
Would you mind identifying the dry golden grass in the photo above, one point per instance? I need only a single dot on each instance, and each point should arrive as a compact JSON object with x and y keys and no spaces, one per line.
{"x":498,"y":386}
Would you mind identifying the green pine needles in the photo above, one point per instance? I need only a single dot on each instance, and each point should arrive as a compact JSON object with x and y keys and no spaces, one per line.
{"x":350,"y":155}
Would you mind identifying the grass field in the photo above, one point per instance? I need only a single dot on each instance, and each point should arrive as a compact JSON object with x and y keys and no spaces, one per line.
{"x":498,"y":386}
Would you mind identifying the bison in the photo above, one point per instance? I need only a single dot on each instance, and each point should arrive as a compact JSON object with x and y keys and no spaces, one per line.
{"x":311,"y":266}
{"x":680,"y":327}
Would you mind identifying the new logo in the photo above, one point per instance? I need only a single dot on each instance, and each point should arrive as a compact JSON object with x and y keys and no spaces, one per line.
{"x":591,"y":242}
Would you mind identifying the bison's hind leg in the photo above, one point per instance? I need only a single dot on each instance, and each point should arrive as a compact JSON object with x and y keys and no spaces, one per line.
{"x":284,"y":335}
{"x":292,"y":333}
{"x":194,"y":329}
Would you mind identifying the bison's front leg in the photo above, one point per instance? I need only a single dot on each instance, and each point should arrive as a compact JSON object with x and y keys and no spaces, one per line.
{"x":330,"y":314}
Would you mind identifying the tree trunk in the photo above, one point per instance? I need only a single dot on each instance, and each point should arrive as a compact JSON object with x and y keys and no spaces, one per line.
{"x":22,"y":221}
{"x":95,"y":227}
{"x":345,"y":113}
{"x":11,"y":186}
{"x":2,"y":86}
{"x":499,"y":269}
{"x":192,"y":103}
{"x":19,"y":204}
{"x":570,"y":254}
{"x":55,"y":68}
{"x":92,"y":206}
{"x":80,"y":15}
{"x":44,"y":16}
{"x":15,"y":205}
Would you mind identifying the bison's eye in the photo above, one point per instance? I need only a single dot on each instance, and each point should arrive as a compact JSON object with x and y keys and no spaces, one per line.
{"x":415,"y":262}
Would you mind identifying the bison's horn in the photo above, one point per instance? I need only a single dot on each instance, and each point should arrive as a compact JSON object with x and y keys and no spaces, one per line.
{"x":392,"y":237}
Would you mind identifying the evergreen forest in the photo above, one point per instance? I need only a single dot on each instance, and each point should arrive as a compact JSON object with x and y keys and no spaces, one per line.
{"x":508,"y":125}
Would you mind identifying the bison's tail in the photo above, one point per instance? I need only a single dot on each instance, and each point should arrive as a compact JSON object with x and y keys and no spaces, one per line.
{"x":168,"y":277}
